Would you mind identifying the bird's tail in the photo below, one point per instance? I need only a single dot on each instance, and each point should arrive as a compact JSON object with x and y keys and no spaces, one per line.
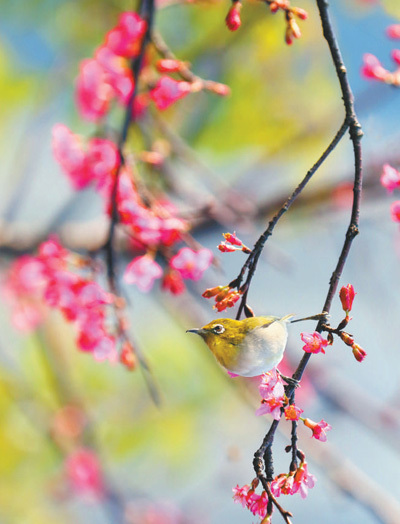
{"x":287,"y":318}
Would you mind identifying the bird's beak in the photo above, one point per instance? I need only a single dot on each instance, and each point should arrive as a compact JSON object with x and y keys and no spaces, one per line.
{"x":198,"y":331}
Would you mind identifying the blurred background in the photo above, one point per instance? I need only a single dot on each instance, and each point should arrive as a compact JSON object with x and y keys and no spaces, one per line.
{"x":238,"y":157}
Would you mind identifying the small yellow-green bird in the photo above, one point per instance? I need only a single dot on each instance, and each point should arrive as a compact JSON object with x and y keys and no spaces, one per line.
{"x":247,"y":347}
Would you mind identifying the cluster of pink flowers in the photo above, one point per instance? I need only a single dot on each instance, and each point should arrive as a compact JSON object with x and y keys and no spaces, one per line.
{"x":53,"y":278}
{"x":372,"y":68}
{"x":233,"y":20}
{"x":83,"y":164}
{"x":187,"y":264}
{"x":272,"y":392}
{"x":107,"y":76}
{"x":297,"y":481}
{"x":248,"y":498}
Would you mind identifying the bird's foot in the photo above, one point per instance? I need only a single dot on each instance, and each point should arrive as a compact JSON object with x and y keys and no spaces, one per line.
{"x":289,"y":380}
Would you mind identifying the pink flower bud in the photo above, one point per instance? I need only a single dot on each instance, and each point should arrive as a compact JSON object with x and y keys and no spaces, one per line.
{"x":393,"y":31}
{"x":359,"y":353}
{"x":226,"y":248}
{"x":300,"y":13}
{"x":232,"y":20}
{"x":212,"y":291}
{"x":347,"y":339}
{"x":168,"y":65}
{"x":347,"y":295}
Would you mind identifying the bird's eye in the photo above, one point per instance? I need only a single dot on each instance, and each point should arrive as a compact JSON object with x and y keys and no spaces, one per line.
{"x":218,"y":329}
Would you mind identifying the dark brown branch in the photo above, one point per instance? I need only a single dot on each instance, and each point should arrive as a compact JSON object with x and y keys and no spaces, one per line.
{"x":146,"y":11}
{"x":251,"y":262}
{"x":356,"y":134}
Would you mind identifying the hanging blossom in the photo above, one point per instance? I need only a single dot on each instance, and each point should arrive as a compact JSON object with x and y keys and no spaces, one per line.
{"x":272,"y":392}
{"x":168,"y":90}
{"x":55,"y":278}
{"x":84,"y":473}
{"x":297,"y":481}
{"x":108,"y":75}
{"x":95,"y":163}
{"x":142,"y":271}
{"x":247,"y":497}
{"x":318,"y":429}
{"x":314,"y":343}
{"x":233,"y":20}
{"x":191,"y":264}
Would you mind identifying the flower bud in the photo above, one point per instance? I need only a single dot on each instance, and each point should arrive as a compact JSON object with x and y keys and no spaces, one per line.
{"x":359,"y":353}
{"x":347,"y":339}
{"x":232,"y":239}
{"x":232,"y":19}
{"x":225,"y":248}
{"x":170,"y":65}
{"x":300,"y":13}
{"x":212,"y":291}
{"x":346,"y":296}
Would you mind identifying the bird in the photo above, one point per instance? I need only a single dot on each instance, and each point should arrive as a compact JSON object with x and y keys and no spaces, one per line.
{"x":248,"y":347}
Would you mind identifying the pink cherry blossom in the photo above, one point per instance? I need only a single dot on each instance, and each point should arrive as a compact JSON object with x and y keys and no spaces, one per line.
{"x":271,"y":406}
{"x":271,"y":385}
{"x":314,"y":343}
{"x":69,"y":153}
{"x":84,"y":473}
{"x":191,"y":264}
{"x":258,"y":504}
{"x":167,"y":91}
{"x":102,"y":160}
{"x":173,"y":282}
{"x":142,"y":271}
{"x":395,"y":211}
{"x":303,"y":480}
{"x":393,"y":31}
{"x":292,"y":412}
{"x":82,"y":167}
{"x":390,"y":178}
{"x":282,"y":484}
{"x":319,"y":429}
{"x":125,"y":39}
{"x":117,"y":73}
{"x":240,"y":494}
{"x":93,"y":92}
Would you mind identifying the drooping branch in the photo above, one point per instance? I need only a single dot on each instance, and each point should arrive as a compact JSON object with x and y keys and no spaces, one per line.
{"x":264,"y":454}
{"x":146,"y":11}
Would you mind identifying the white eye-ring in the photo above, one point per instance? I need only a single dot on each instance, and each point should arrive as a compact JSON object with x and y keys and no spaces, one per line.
{"x":218,"y":329}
